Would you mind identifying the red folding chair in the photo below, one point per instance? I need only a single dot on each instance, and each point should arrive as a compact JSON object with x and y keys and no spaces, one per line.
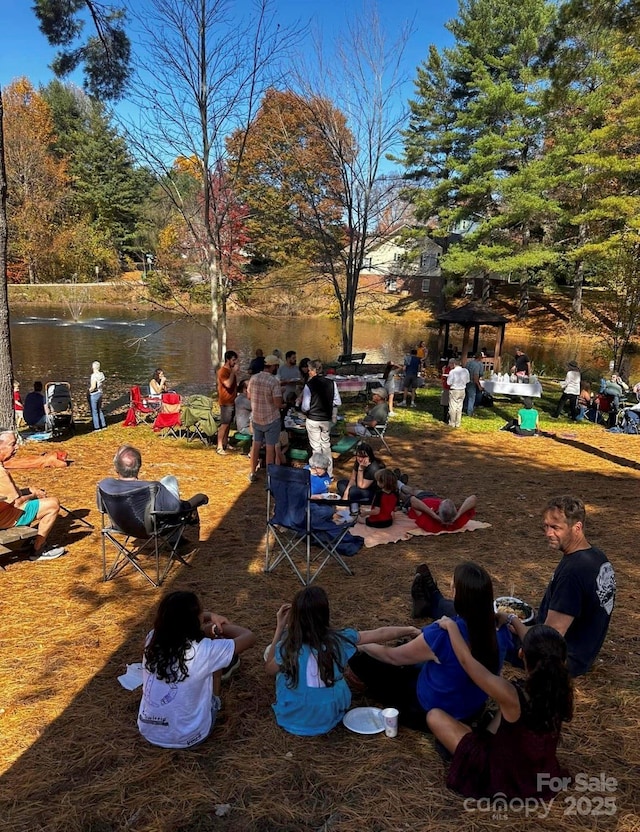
{"x":139,"y":411}
{"x":168,"y":420}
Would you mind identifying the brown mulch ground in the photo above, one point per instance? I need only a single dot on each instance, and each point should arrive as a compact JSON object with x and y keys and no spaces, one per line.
{"x":72,"y":758}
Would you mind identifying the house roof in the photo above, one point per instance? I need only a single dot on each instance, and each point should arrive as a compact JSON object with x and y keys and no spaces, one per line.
{"x":472,"y":313}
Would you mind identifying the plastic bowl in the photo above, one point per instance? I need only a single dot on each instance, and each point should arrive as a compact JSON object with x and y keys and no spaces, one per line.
{"x":523,"y":610}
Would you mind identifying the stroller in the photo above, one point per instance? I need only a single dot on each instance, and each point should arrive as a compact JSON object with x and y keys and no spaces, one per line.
{"x":59,"y":408}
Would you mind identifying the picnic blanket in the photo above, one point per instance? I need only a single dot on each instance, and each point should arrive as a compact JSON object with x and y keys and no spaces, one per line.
{"x":404,"y":528}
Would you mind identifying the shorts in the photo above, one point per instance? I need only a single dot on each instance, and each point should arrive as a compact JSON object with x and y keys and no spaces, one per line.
{"x":30,"y":509}
{"x":226,"y":414}
{"x":269,"y":434}
{"x":410,"y":382}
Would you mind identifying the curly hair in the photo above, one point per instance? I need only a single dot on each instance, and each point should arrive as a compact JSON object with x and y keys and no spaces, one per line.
{"x":309,"y":624}
{"x":176,"y":626}
{"x":548,"y":686}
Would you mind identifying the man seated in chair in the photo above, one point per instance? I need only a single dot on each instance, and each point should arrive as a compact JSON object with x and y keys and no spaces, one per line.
{"x":378,"y":415}
{"x":26,"y":506}
{"x":128,"y":462}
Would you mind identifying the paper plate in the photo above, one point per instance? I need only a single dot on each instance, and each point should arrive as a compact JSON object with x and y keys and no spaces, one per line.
{"x":518,"y":606}
{"x":364,"y":720}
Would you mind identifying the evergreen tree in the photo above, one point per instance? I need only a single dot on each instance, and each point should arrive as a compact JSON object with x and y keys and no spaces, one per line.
{"x":480,"y":118}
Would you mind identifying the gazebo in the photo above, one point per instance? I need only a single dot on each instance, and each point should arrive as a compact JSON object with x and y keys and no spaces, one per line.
{"x":471,"y":316}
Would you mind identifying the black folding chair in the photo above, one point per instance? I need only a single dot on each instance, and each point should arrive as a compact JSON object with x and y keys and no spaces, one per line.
{"x":292,"y":529}
{"x":132,"y":525}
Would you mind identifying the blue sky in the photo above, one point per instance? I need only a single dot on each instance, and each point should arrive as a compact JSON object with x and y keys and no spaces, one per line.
{"x":25,"y":51}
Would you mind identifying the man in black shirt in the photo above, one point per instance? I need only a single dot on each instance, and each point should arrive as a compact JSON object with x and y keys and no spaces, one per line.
{"x":320,"y":403}
{"x":522,"y":367}
{"x":579,"y":599}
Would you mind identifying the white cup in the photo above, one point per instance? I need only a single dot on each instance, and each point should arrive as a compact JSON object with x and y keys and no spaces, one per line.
{"x":390,"y":717}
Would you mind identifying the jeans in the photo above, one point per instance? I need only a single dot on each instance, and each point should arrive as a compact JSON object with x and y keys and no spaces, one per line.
{"x":356,"y":495}
{"x":320,"y":441}
{"x":472,"y":397}
{"x":95,"y":400}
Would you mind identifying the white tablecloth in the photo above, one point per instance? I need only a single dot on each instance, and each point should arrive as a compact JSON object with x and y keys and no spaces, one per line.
{"x":508,"y":388}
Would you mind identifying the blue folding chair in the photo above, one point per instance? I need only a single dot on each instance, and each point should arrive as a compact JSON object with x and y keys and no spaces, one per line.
{"x":295,"y":523}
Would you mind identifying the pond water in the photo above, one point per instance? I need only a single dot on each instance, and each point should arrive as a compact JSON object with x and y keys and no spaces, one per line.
{"x":50,"y":345}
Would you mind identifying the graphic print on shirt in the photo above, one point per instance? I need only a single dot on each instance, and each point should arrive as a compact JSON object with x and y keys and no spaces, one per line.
{"x":606,"y":587}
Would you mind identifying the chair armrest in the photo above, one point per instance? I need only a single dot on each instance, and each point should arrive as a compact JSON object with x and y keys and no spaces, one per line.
{"x":197,"y":500}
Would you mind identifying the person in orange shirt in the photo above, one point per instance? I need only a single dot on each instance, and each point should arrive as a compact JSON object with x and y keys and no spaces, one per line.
{"x":227,"y":392}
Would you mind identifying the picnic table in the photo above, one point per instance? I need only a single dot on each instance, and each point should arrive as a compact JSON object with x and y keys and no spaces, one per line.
{"x":512,"y":388}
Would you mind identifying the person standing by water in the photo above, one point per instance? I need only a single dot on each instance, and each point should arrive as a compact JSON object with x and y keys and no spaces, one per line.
{"x":227,"y":381}
{"x":95,"y":396}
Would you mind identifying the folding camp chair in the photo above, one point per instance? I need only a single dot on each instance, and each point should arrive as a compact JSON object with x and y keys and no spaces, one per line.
{"x":198,"y":420}
{"x":378,"y":432}
{"x":135,"y":529}
{"x":139,"y":411}
{"x":292,"y":528}
{"x":168,"y":421}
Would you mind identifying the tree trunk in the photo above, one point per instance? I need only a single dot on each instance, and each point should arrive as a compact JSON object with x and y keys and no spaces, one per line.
{"x":578,"y":276}
{"x":214,"y":284}
{"x":6,"y":371}
{"x":486,"y":288}
{"x":523,"y":308}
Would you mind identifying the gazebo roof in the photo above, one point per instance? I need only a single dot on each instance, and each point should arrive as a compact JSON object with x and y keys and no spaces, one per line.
{"x":472,"y":313}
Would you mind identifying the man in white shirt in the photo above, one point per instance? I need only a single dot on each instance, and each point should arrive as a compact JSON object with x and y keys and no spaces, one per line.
{"x":457,"y":380}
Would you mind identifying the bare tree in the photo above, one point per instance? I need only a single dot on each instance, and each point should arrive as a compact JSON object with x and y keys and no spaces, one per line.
{"x":201,"y":72}
{"x":363,"y":81}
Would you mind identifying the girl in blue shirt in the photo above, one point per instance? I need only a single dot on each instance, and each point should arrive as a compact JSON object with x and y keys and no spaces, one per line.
{"x":308,"y":656}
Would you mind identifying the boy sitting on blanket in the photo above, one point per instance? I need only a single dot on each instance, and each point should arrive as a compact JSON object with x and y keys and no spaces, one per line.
{"x":434,"y":514}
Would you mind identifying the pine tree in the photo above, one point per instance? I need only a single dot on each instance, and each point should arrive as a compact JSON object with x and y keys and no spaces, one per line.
{"x":479,"y":111}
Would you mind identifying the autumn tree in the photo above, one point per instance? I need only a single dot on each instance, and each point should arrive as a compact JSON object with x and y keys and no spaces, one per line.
{"x":289,"y":179}
{"x":105,"y":60}
{"x":37,"y":180}
{"x":202,"y":72}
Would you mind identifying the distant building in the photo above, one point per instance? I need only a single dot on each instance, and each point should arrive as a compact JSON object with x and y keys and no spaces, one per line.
{"x":407,"y":268}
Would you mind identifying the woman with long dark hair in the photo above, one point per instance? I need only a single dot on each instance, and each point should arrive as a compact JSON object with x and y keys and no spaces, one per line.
{"x":425,"y":673}
{"x":308,"y":656}
{"x":520,"y":744}
{"x":361,"y":485}
{"x":187,"y":647}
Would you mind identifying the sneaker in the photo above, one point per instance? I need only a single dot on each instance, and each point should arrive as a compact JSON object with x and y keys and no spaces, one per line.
{"x":413,"y":404}
{"x":390,"y":413}
{"x":401,"y":404}
{"x":221,"y":451}
{"x":230,"y":669}
{"x":252,"y":477}
{"x":51,"y":553}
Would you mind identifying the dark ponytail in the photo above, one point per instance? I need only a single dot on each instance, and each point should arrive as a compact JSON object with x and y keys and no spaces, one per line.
{"x":548,"y":686}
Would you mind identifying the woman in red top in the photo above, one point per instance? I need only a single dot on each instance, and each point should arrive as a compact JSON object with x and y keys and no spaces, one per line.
{"x":435,"y":515}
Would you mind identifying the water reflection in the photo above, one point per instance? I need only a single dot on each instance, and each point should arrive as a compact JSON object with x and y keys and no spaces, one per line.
{"x":130,"y":345}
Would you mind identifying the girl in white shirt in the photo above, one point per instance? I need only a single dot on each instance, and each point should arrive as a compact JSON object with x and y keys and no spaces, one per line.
{"x":183,"y":655}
